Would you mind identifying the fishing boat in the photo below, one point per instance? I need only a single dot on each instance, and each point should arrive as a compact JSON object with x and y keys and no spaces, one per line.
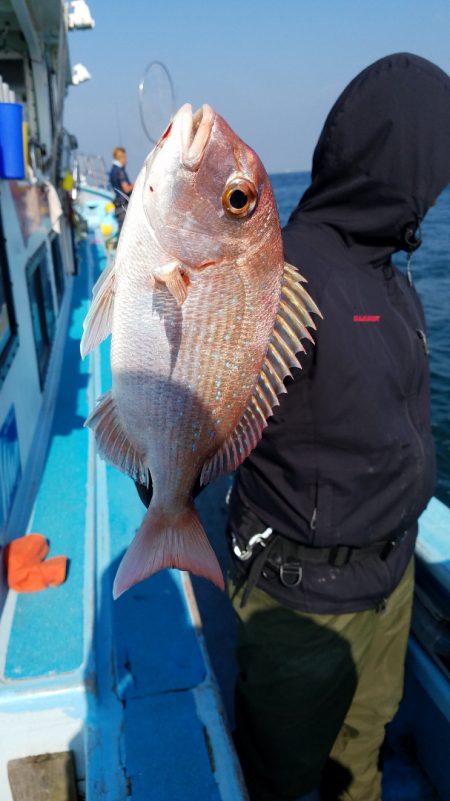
{"x":132,"y":698}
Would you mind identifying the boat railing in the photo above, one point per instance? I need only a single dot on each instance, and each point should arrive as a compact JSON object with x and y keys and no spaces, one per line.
{"x":90,"y":170}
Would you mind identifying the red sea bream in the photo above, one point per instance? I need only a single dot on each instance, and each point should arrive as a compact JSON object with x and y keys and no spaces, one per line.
{"x":206,"y":321}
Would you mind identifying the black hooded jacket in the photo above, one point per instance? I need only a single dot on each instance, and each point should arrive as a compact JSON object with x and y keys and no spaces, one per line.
{"x":348,"y":456}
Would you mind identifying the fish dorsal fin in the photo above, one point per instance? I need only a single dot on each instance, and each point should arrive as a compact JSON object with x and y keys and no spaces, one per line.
{"x":291,"y":326}
{"x":98,"y":323}
{"x":112,"y":441}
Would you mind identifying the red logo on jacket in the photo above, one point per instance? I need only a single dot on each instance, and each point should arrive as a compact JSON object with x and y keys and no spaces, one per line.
{"x":366,"y":318}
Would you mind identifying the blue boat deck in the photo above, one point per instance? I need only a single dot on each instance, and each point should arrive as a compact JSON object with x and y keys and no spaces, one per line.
{"x":125,"y":685}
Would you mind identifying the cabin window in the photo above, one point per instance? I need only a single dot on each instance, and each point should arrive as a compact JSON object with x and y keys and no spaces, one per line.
{"x":8,"y":326}
{"x":58,"y":269}
{"x":13,"y":73}
{"x":42,"y":309}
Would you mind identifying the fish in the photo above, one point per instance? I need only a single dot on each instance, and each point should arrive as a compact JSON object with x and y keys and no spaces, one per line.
{"x":207,"y":320}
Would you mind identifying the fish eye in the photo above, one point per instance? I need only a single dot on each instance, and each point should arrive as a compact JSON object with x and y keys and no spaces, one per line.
{"x":239,"y":197}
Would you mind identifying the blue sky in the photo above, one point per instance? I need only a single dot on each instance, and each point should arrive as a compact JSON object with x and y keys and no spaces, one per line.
{"x":272,"y":68}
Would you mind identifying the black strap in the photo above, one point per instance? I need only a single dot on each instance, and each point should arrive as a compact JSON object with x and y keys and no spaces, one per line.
{"x":256,"y":569}
{"x":336,"y":555}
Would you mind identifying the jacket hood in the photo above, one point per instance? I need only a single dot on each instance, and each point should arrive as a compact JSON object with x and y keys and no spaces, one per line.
{"x":383,"y":157}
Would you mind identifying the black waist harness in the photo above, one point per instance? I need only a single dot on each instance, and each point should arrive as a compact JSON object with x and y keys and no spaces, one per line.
{"x":267,"y":550}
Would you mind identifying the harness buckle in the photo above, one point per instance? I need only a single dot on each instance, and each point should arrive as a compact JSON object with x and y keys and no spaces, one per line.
{"x":258,"y":539}
{"x":291,"y":574}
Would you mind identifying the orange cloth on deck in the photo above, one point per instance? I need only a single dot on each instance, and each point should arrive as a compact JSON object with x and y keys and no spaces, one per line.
{"x":25,"y":567}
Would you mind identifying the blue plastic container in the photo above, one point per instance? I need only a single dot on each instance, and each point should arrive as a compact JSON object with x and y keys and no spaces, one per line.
{"x":11,"y":141}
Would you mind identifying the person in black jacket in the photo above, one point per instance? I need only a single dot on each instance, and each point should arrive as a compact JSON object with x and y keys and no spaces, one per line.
{"x":323,"y":513}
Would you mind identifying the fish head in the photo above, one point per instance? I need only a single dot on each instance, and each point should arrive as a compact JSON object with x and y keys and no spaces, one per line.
{"x":206,"y":194}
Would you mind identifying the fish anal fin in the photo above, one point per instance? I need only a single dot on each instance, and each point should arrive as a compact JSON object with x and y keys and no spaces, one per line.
{"x":168,"y":540}
{"x":98,"y":322}
{"x":113,"y":444}
{"x":291,"y":326}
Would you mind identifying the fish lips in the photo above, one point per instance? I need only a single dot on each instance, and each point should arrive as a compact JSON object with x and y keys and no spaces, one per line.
{"x":195,"y":134}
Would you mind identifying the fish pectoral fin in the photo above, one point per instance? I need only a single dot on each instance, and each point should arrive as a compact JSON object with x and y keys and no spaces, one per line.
{"x":98,"y":322}
{"x":168,"y":539}
{"x":113,"y":444}
{"x":175,"y":280}
{"x":291,"y":326}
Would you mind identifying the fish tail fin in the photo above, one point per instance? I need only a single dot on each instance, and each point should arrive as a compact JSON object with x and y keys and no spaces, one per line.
{"x":168,"y":540}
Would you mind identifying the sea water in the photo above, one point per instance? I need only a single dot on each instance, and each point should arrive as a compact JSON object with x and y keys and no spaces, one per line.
{"x":431,"y":275}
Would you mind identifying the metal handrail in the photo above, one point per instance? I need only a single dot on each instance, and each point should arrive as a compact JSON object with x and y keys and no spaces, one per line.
{"x":91,"y":170}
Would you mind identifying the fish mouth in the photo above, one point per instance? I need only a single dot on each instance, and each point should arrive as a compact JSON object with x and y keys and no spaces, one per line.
{"x":195,"y":134}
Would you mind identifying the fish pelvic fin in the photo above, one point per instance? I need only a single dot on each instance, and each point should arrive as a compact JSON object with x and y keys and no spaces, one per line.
{"x":168,"y":540}
{"x":113,"y":444}
{"x":98,"y":322}
{"x":174,"y":279}
{"x":291,"y":325}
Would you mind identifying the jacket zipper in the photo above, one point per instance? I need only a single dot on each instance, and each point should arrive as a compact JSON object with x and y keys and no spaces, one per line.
{"x":423,"y":339}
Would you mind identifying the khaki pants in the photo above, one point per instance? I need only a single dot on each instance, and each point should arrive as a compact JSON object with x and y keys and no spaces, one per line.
{"x":313,"y":686}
